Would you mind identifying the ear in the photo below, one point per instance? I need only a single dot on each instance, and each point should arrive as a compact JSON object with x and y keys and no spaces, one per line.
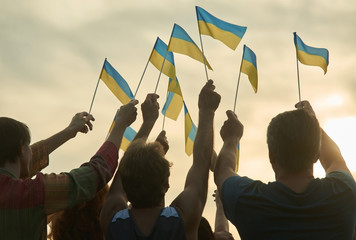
{"x":272,"y":161}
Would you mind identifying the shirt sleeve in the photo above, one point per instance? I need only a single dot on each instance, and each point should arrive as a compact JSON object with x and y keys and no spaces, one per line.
{"x":68,"y":189}
{"x":344,"y":177}
{"x":39,"y":159}
{"x":230,"y":193}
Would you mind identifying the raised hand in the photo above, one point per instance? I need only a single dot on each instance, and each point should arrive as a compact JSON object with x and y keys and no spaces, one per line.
{"x":209,"y":99}
{"x":305,"y":105}
{"x":232,"y":128}
{"x":80,"y":123}
{"x":127,"y":113}
{"x":150,"y":107}
{"x":162,"y":139}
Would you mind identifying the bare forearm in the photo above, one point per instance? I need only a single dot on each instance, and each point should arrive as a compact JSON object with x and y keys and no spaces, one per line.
{"x":221,"y":223}
{"x":204,"y":140}
{"x":226,"y":163}
{"x":116,"y":134}
{"x":330,"y":155}
{"x":58,"y":139}
{"x":145,"y":130}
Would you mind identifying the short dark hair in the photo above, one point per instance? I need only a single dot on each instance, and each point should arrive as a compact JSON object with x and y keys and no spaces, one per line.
{"x":13,"y":135}
{"x":144,"y":173}
{"x":293,"y":139}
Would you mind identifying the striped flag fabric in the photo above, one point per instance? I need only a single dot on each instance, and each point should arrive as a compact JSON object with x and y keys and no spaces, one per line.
{"x":116,"y":83}
{"x":229,"y":34}
{"x":311,"y":55}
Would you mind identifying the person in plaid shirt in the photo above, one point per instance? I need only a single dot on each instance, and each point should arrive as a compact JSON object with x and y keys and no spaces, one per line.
{"x":25,"y":202}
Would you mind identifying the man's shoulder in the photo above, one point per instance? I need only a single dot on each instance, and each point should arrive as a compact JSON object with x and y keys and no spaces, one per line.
{"x":344,"y":177}
{"x":240,"y":181}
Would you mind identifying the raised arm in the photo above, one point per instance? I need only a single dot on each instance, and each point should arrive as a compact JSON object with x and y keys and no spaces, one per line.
{"x":190,"y":203}
{"x":124,"y":117}
{"x":116,"y":199}
{"x":150,"y":113}
{"x":330,"y":155}
{"x":231,"y":133}
{"x":68,"y":189}
{"x":81,"y":122}
{"x":221,"y":231}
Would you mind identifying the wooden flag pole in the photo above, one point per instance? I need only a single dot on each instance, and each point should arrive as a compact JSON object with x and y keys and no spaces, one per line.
{"x":96,"y":88}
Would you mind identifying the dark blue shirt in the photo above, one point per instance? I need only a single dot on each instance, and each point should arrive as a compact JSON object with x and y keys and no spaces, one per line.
{"x":169,"y":226}
{"x":325,"y":210}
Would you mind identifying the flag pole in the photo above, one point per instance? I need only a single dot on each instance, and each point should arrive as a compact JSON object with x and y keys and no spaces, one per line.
{"x":238,"y":82}
{"x":96,"y":88}
{"x":298,"y":75}
{"x":144,"y":71}
{"x":202,"y":51}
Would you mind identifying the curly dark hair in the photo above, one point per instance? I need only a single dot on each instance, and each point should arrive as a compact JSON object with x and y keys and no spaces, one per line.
{"x":79,"y":222}
{"x":144,"y":173}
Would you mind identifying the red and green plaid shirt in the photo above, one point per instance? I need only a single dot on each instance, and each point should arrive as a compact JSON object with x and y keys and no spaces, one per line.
{"x":25,"y":203}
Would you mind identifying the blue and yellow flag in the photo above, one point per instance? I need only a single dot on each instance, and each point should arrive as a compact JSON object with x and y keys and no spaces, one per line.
{"x":237,"y":157}
{"x":116,"y":83}
{"x":129,"y":135}
{"x":158,"y":54}
{"x":227,"y":33}
{"x":174,"y":102}
{"x":181,"y":42}
{"x":249,"y":66}
{"x":310,"y":55}
{"x":190,"y":132}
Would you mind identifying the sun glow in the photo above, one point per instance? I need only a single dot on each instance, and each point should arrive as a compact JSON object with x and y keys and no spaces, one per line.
{"x":343,"y":132}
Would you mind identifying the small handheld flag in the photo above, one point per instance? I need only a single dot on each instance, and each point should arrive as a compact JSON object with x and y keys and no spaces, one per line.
{"x":159,"y":55}
{"x":116,"y":83}
{"x":181,"y":42}
{"x":237,"y":157}
{"x":174,"y":101}
{"x":249,"y":67}
{"x":190,"y":132}
{"x":227,"y":33}
{"x":311,"y":55}
{"x":129,"y":135}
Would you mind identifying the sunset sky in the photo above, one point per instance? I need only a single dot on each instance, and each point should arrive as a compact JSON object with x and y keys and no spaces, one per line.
{"x":51,"y":54}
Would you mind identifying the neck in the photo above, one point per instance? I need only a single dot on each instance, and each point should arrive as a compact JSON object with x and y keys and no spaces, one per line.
{"x":13,"y":167}
{"x":298,"y":182}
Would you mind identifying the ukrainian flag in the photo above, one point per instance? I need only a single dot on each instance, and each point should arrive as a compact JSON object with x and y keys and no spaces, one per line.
{"x":227,"y":33}
{"x":249,"y":66}
{"x":116,"y":83}
{"x":237,"y":157}
{"x":129,"y":135}
{"x":174,"y":101}
{"x":180,"y":42}
{"x":158,"y":54}
{"x":190,"y":132}
{"x":310,"y":55}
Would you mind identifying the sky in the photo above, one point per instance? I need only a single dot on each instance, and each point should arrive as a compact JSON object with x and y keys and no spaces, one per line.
{"x":51,"y":54}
